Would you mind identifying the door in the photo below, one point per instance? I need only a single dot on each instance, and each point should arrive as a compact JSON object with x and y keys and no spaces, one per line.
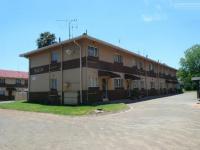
{"x":129,"y":87}
{"x":10,"y":93}
{"x":105,"y":88}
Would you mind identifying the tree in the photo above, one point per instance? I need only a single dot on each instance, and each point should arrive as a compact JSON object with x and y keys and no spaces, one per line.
{"x":190,"y":67}
{"x":45,"y":39}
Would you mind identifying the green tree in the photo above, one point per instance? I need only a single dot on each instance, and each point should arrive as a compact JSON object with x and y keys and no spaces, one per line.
{"x":190,"y":67}
{"x":45,"y":39}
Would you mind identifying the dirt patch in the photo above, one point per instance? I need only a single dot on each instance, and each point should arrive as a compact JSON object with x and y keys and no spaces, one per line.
{"x":197,"y":105}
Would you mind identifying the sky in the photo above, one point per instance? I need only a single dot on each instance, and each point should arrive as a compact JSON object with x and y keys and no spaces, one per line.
{"x":161,"y":29}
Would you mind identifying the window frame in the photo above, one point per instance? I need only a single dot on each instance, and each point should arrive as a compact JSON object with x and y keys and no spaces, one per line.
{"x":53,"y":85}
{"x":152,"y":85}
{"x":18,"y":81}
{"x":93,"y":82}
{"x":55,"y":57}
{"x":118,"y":83}
{"x":93,"y":52}
{"x":118,"y":58}
{"x":3,"y":93}
{"x":2,"y":81}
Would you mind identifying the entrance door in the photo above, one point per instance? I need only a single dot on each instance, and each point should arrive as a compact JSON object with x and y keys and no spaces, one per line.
{"x":105,"y":88}
{"x":129,"y":87}
{"x":10,"y":93}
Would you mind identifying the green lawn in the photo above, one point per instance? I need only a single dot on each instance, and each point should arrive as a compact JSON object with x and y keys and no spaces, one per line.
{"x":62,"y":110}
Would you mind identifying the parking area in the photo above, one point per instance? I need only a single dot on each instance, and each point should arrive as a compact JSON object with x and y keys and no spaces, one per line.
{"x":165,"y":123}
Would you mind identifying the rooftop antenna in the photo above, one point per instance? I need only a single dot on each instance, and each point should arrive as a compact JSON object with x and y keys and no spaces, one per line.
{"x":68,"y":23}
{"x":119,"y":41}
{"x":74,"y":27}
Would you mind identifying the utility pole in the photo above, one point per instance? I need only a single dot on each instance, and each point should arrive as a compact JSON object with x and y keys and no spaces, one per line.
{"x":68,"y":23}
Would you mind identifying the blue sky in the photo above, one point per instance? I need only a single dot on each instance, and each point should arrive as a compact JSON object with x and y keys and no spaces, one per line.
{"x":161,"y":29}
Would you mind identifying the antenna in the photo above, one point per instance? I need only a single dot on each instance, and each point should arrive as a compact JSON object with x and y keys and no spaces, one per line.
{"x":119,"y":41}
{"x":74,"y":27}
{"x":68,"y":23}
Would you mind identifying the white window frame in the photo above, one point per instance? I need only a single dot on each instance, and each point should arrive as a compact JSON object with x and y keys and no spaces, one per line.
{"x":135,"y":84}
{"x":93,"y":51}
{"x":53,"y":84}
{"x":152,"y":85}
{"x":55,"y":56}
{"x":93,"y":82}
{"x":118,"y":83}
{"x":151,"y":68}
{"x":118,"y":58}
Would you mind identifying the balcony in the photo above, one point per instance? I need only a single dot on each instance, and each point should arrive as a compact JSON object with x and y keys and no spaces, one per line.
{"x":14,"y":85}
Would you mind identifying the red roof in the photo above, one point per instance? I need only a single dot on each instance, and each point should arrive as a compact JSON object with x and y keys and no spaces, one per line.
{"x":13,"y":74}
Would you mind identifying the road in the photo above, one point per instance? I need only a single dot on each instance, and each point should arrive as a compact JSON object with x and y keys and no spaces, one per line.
{"x":171,"y":123}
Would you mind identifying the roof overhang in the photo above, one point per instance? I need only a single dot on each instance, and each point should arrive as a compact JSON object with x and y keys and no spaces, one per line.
{"x":131,"y":77}
{"x":108,"y":74}
{"x":95,"y":40}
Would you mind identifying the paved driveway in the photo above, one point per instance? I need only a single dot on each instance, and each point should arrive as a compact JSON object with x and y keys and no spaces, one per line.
{"x":165,"y":123}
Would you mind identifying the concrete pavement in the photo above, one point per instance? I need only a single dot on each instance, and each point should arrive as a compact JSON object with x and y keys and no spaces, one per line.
{"x":164,"y":123}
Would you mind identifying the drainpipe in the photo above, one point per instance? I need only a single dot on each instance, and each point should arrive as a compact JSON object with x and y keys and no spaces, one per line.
{"x":81,"y":98}
{"x":61,"y":67}
{"x":146,"y":77}
{"x":29,"y":79}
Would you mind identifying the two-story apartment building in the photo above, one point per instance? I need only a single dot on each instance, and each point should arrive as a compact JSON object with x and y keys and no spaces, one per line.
{"x":12,"y":82}
{"x":85,"y":69}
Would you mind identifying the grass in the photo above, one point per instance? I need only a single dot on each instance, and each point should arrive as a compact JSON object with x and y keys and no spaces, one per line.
{"x":62,"y":110}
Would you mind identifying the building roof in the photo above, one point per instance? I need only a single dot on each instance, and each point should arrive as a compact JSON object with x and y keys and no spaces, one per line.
{"x":13,"y":74}
{"x":85,"y":36}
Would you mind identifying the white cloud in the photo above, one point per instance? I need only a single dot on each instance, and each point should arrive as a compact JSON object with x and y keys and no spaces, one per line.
{"x":186,"y":4}
{"x":154,"y":17}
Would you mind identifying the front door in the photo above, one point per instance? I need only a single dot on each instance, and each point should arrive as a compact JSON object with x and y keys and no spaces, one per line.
{"x":129,"y":87}
{"x":10,"y":93}
{"x":105,"y":88}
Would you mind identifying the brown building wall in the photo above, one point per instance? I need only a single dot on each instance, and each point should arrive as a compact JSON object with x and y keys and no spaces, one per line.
{"x":41,"y":73}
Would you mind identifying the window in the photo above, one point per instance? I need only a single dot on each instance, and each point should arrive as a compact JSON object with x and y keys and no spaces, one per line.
{"x":161,"y":85}
{"x":93,"y":82}
{"x":142,"y":84}
{"x":54,"y":57}
{"x":118,"y":83}
{"x":135,"y":84}
{"x":152,"y":84}
{"x":118,"y":58}
{"x":2,"y":92}
{"x":134,"y":62}
{"x":53,"y":84}
{"x":140,"y":65}
{"x":2,"y":81}
{"x":18,"y":81}
{"x":92,"y":51}
{"x":150,"y":67}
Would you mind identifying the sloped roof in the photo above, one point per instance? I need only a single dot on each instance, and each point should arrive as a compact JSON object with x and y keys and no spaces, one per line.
{"x":86,"y":36}
{"x":13,"y":74}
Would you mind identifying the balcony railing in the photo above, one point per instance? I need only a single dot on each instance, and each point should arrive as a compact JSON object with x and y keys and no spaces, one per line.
{"x":13,"y":85}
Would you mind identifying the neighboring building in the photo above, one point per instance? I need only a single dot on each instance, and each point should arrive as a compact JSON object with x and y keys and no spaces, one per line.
{"x":12,"y":82}
{"x":106,"y":72}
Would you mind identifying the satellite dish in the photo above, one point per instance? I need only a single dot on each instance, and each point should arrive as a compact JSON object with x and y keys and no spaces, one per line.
{"x":69,"y":52}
